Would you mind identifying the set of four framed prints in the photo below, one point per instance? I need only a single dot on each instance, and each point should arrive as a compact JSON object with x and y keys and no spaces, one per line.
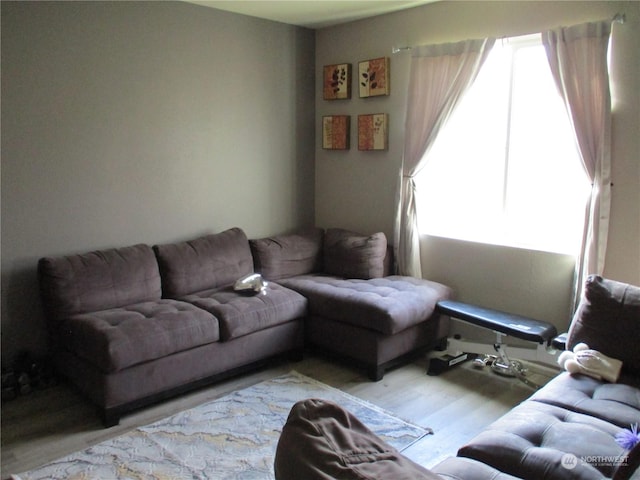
{"x":372,"y":81}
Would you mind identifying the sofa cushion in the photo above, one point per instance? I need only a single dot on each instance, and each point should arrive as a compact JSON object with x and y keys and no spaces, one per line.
{"x":615,"y":403}
{"x":118,"y":338}
{"x":240,"y":314}
{"x":323,"y":441}
{"x":460,"y":468}
{"x":351,"y":255}
{"x":536,"y":440}
{"x":608,"y":320}
{"x":387,"y":305}
{"x":288,"y":255}
{"x":98,"y":280}
{"x":203,"y":263}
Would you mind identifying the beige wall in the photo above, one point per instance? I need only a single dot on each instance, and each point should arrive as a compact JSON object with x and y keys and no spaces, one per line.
{"x":357,"y":189}
{"x":126,"y":122}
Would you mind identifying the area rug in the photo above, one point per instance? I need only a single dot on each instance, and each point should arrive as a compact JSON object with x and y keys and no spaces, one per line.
{"x":232,"y":437}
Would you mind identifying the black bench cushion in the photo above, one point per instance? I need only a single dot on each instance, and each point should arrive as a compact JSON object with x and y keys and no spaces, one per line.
{"x":507,"y":323}
{"x":388,"y":305}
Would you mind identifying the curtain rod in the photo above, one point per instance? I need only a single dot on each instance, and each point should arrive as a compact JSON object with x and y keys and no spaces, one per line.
{"x":620,"y":18}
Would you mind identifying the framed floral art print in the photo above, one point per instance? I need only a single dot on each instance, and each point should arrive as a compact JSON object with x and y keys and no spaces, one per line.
{"x":336,"y":132}
{"x":373,"y":77}
{"x":336,"y":83}
{"x":373,"y":132}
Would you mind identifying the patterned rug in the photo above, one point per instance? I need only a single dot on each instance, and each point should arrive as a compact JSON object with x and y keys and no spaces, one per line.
{"x":233,"y":437}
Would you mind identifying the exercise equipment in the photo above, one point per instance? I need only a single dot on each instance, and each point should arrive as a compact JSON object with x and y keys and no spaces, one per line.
{"x":495,"y":355}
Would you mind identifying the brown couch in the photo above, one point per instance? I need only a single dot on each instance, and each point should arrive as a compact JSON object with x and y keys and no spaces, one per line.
{"x":356,"y":309}
{"x":130,"y":327}
{"x":133,"y":325}
{"x":567,"y":430}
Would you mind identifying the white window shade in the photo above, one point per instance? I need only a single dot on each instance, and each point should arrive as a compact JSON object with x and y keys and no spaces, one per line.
{"x":505,"y":168}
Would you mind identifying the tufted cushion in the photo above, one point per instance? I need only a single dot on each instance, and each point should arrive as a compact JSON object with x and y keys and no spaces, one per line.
{"x":323,"y":441}
{"x":608,"y":320}
{"x":534,"y":440}
{"x":98,"y":280}
{"x":240,"y":314}
{"x":616,"y":403}
{"x":206,"y":262}
{"x":387,"y":305}
{"x":118,"y":338}
{"x":460,"y":468}
{"x":351,"y":255}
{"x":288,"y":255}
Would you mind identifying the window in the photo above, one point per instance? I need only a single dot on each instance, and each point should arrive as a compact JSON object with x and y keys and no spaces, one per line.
{"x":505,"y":169}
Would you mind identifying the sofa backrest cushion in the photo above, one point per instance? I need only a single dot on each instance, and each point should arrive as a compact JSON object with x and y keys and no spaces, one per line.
{"x":98,"y":280}
{"x":203,"y":263}
{"x":285,"y":256}
{"x":351,"y":255}
{"x":608,"y":320}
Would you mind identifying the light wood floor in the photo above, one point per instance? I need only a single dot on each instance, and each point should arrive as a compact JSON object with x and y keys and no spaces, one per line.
{"x":458,"y":404}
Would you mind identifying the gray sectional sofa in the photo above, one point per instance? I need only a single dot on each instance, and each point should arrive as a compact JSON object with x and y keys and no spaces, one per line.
{"x":133,"y":325}
{"x":356,"y":309}
{"x":565,"y":431}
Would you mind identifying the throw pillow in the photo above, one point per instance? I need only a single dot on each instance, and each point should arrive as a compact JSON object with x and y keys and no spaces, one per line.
{"x":288,"y":255}
{"x":352,"y":255}
{"x":608,"y":320}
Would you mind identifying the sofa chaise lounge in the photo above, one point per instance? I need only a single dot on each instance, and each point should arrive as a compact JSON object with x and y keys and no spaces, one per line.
{"x":133,"y":325}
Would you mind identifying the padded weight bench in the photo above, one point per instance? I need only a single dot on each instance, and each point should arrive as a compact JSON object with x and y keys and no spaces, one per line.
{"x":502,"y":324}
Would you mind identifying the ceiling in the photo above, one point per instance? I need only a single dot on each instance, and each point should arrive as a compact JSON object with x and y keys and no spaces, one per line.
{"x":311,"y":13}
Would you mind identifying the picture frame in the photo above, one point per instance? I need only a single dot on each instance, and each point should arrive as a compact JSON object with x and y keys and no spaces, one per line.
{"x":373,"y":132}
{"x":336,"y":83}
{"x":336,"y":132}
{"x":373,"y":77}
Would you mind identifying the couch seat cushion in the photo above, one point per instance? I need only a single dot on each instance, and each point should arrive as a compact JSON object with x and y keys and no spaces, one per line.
{"x":536,"y":440}
{"x":118,"y":338}
{"x":240,"y":314}
{"x":460,"y":468}
{"x":616,"y":403}
{"x":387,"y":305}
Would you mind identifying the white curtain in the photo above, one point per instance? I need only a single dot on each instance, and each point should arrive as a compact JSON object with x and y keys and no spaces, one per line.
{"x":440,"y":74}
{"x":578,"y":59}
